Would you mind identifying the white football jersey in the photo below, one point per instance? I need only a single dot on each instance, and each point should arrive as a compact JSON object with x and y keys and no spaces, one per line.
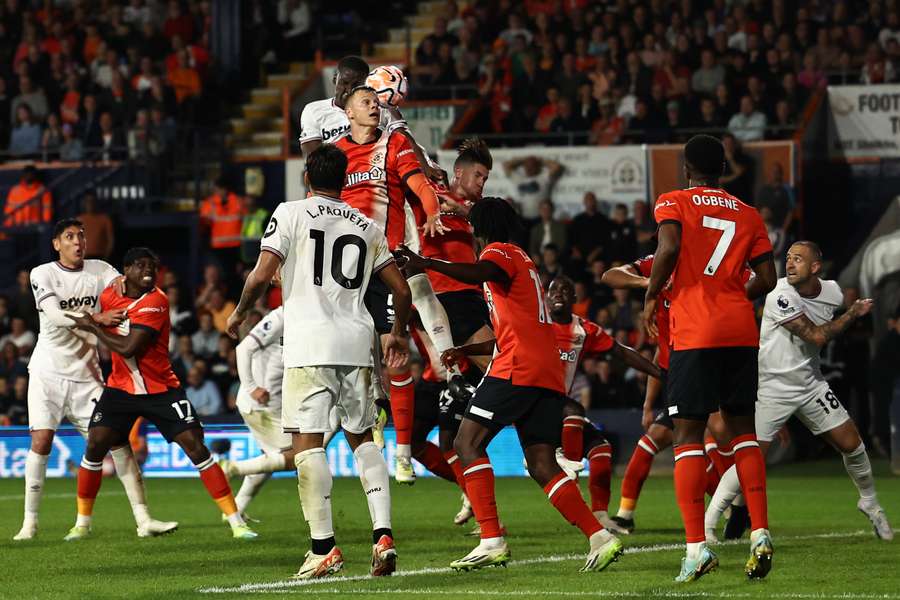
{"x":789,"y":366}
{"x":267,"y":364}
{"x":322,"y":120}
{"x":329,"y":252}
{"x":67,"y":352}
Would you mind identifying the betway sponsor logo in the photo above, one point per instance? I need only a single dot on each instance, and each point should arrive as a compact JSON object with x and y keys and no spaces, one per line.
{"x":78,"y":302}
{"x":361,"y":176}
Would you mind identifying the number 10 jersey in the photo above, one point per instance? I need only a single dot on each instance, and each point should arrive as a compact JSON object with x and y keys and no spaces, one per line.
{"x":720,"y":235}
{"x":329,"y":252}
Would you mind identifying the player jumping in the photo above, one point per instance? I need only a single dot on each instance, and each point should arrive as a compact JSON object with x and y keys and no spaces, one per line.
{"x":524,"y":386}
{"x":65,"y":372}
{"x":142,"y":384}
{"x":576,"y":338}
{"x":329,"y":253}
{"x":381,"y":170}
{"x":797,"y":323}
{"x":706,"y":237}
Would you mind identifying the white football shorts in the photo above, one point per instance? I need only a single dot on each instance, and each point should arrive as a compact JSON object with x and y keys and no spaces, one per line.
{"x":52,"y":398}
{"x":309,"y":393}
{"x":819,"y":411}
{"x":265,"y":425}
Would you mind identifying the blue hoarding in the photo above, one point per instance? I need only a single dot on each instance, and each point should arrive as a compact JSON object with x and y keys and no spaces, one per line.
{"x":168,"y":460}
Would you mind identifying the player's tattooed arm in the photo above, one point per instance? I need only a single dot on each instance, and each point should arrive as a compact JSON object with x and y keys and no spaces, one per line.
{"x":257,"y":281}
{"x":820,"y":335}
{"x":625,"y":277}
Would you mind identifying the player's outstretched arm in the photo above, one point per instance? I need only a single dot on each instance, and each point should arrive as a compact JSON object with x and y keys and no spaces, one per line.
{"x":432,"y":172}
{"x":453,"y":356}
{"x":138,"y":339}
{"x":423,"y":190}
{"x":820,"y":335}
{"x":654,"y":389}
{"x":244,"y":355}
{"x":257,"y":281}
{"x":476,"y":273}
{"x":634,"y":359}
{"x":625,"y":277}
{"x":664,"y":261}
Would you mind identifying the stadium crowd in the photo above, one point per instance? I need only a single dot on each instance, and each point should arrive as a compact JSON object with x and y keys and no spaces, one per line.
{"x":640,"y":70}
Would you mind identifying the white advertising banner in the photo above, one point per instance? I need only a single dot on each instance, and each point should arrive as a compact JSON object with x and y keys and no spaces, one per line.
{"x":614,"y":173}
{"x":865,"y":121}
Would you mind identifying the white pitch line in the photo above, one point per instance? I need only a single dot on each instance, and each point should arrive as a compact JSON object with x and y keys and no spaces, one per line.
{"x":605,"y":594}
{"x":284,"y":585}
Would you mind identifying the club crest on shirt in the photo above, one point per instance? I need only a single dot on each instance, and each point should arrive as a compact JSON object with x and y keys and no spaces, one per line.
{"x":376,"y":158}
{"x":578,"y":339}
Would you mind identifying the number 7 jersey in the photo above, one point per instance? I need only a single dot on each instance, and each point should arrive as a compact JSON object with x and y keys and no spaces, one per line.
{"x":525,"y":352}
{"x":329,"y":251}
{"x":720,"y":236}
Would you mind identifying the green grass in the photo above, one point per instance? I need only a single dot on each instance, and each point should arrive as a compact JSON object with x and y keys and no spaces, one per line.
{"x":805,"y":501}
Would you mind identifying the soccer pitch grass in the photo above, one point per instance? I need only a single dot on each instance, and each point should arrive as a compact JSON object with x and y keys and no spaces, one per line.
{"x":824,"y":548}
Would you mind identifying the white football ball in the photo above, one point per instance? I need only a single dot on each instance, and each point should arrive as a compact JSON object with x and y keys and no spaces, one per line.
{"x":390,"y":85}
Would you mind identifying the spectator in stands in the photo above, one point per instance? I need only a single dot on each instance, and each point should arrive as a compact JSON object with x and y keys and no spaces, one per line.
{"x":91,"y":136}
{"x":568,"y":79}
{"x":644,"y":126}
{"x":534,"y":179}
{"x":4,"y":315}
{"x":32,"y":96}
{"x":25,"y":139}
{"x":549,"y":264}
{"x":589,"y":231}
{"x":22,"y":337}
{"x":98,"y":227}
{"x":163,"y":127}
{"x":569,"y":121}
{"x":17,"y":408}
{"x":205,"y":340}
{"x":295,"y":17}
{"x":71,"y":149}
{"x":137,"y":13}
{"x":113,"y":145}
{"x":548,"y":112}
{"x":203,"y":394}
{"x":178,"y":23}
{"x":5,"y":108}
{"x":777,"y":237}
{"x":748,"y":125}
{"x":220,"y":308}
{"x":120,"y":100}
{"x":547,"y":230}
{"x":740,"y":170}
{"x":778,"y":196}
{"x":709,"y":76}
{"x":52,"y":137}
{"x":184,"y":79}
{"x":142,"y":143}
{"x":180,"y":315}
{"x":622,"y":236}
{"x":21,"y":300}
{"x":811,"y":77}
{"x":104,"y":66}
{"x":877,"y":69}
{"x":608,"y":389}
{"x":221,"y":364}
{"x":212,"y":280}
{"x":601,"y":294}
{"x":28,"y":202}
{"x":223,"y":214}
{"x":183,"y":357}
{"x":11,"y":364}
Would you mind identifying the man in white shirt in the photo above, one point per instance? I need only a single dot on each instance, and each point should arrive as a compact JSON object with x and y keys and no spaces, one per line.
{"x":797,"y":323}
{"x":328,"y":252}
{"x":748,"y":125}
{"x":65,"y":379}
{"x":534,"y":179}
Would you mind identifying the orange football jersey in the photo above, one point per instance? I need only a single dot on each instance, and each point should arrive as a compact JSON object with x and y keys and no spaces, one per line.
{"x":720,"y":236}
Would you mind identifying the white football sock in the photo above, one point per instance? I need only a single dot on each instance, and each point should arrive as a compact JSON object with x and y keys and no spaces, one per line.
{"x":432,"y":313}
{"x":403,"y":451}
{"x":373,"y":474}
{"x":729,"y":487}
{"x":249,"y":488}
{"x":314,"y":477}
{"x":129,"y":473}
{"x":35,"y":474}
{"x":694,"y":549}
{"x":264,"y":463}
{"x":860,"y":470}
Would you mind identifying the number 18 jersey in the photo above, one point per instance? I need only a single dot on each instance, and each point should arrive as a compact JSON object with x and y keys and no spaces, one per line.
{"x":526,"y":352}
{"x":720,"y":235}
{"x":329,"y":251}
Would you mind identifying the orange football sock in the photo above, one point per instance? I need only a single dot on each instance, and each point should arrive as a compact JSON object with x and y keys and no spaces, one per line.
{"x":453,"y":460}
{"x":751,"y":471}
{"x":434,"y":461}
{"x":573,"y":438}
{"x":90,"y":477}
{"x":637,"y":471}
{"x":599,"y":479}
{"x":403,"y":398}
{"x":566,"y":498}
{"x":690,"y":484}
{"x":216,"y":484}
{"x":480,"y":487}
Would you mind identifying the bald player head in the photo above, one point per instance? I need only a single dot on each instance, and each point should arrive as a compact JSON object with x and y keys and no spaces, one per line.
{"x":803,"y":262}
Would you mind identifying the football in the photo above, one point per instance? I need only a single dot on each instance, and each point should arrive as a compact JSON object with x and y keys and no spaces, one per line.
{"x":389,"y":84}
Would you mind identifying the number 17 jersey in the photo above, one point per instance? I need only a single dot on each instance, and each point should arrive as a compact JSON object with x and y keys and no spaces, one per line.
{"x":329,"y":251}
{"x":720,"y":235}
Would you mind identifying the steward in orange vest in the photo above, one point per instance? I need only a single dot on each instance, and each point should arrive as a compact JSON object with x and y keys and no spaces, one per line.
{"x":29,"y":202}
{"x":223,"y":212}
